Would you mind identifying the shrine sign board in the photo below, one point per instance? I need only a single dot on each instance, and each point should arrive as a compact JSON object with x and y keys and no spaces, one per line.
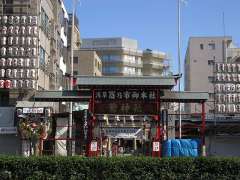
{"x":125,"y":102}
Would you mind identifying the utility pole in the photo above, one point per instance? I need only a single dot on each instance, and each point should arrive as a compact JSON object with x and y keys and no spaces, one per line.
{"x":179,"y":64}
{"x":70,"y":122}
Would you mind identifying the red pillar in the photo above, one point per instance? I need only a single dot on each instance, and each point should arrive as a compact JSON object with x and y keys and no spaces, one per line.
{"x":203,"y":127}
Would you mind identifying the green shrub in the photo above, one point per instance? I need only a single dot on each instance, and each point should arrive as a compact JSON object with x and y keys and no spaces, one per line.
{"x":134,"y":168}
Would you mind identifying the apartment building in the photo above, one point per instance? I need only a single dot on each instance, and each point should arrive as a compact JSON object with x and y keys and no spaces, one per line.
{"x":202,"y":57}
{"x":86,"y":62}
{"x":121,"y":57}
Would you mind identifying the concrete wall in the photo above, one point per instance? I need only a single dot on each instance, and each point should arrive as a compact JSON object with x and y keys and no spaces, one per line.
{"x":10,"y":144}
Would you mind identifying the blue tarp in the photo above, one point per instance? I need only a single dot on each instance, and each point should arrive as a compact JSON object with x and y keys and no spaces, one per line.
{"x":181,"y":148}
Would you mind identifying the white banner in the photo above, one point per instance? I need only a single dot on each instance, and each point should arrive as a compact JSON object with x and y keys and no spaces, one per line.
{"x":33,"y":110}
{"x":123,"y":132}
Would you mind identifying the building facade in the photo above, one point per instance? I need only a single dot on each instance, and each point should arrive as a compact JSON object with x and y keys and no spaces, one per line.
{"x":121,"y":57}
{"x":86,"y":62}
{"x":203,"y":56}
{"x":33,"y":34}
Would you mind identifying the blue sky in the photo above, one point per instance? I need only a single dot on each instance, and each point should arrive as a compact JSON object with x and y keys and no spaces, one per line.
{"x":154,"y":22}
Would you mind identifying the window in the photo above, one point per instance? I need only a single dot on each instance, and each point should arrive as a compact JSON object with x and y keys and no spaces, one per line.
{"x":201,"y":46}
{"x":210,"y":62}
{"x":44,"y":21}
{"x":75,"y":60}
{"x":75,"y":73}
{"x":211,"y":46}
{"x":42,"y":56}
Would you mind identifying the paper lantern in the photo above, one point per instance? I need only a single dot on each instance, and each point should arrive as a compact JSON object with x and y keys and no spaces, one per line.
{"x":218,"y":68}
{"x":218,"y":77}
{"x":15,"y":62}
{"x":27,"y":62}
{"x":234,"y":77}
{"x":22,"y":30}
{"x":3,"y":40}
{"x":2,"y":84}
{"x":29,"y":52}
{"x":10,"y":40}
{"x":28,"y":41}
{"x":2,"y":73}
{"x":15,"y":51}
{"x":16,"y":20}
{"x":21,"y":51}
{"x":4,"y":30}
{"x":34,"y":20}
{"x":33,"y":62}
{"x":2,"y":62}
{"x":35,"y":30}
{"x":20,"y":62}
{"x":228,"y":77}
{"x":34,"y":41}
{"x":16,"y":30}
{"x":9,"y":62}
{"x":26,"y":84}
{"x":20,"y":73}
{"x":33,"y":84}
{"x":223,"y":68}
{"x":237,"y":107}
{"x":10,"y":20}
{"x":3,"y":51}
{"x":233,"y":98}
{"x":4,"y":19}
{"x":8,"y":84}
{"x":229,"y":69}
{"x":238,"y":67}
{"x":29,"y":20}
{"x":237,"y":87}
{"x":14,"y":73}
{"x":27,"y":73}
{"x":29,"y":30}
{"x":34,"y":52}
{"x":16,"y":40}
{"x":32,"y":73}
{"x":234,"y":69}
{"x":233,"y":88}
{"x":10,"y":30}
{"x":23,"y":20}
{"x":8,"y":73}
{"x":14,"y":84}
{"x":20,"y":83}
{"x":10,"y":51}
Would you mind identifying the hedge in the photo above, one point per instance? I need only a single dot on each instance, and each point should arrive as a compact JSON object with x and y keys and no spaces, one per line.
{"x":145,"y":168}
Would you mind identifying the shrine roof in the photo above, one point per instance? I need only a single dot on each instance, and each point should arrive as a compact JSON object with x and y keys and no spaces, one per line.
{"x":126,"y":81}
